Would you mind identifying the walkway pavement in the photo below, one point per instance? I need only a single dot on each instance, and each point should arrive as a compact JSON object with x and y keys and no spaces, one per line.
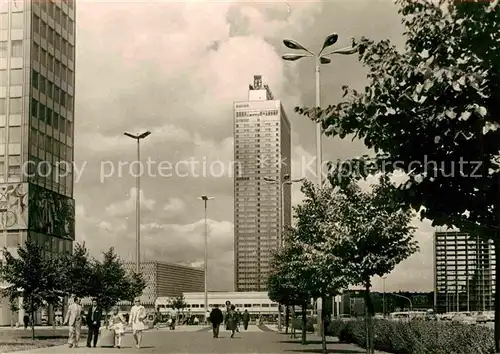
{"x":255,"y":340}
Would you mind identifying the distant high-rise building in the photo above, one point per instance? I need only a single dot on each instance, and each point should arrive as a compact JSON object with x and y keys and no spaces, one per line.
{"x":464,"y":272}
{"x":262,"y":150}
{"x":37,"y":80}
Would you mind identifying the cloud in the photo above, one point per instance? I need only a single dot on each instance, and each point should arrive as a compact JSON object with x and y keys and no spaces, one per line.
{"x":126,"y":207}
{"x":175,"y":68}
{"x":174,"y":205}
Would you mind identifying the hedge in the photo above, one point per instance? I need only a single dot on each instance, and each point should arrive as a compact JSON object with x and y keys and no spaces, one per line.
{"x":417,"y":337}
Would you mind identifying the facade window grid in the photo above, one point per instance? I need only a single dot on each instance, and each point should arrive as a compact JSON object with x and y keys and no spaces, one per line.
{"x":464,"y":273}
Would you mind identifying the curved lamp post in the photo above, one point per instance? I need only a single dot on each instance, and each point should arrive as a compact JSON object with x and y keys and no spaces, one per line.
{"x":138,"y":138}
{"x":205,"y":263}
{"x":320,"y":58}
{"x":404,"y":297}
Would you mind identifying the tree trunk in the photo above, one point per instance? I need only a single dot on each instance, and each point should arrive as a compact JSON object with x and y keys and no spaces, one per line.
{"x":304,"y":323}
{"x":287,"y":318}
{"x":369,"y":323}
{"x":322,"y":325}
{"x":497,"y":298}
{"x":33,"y":325}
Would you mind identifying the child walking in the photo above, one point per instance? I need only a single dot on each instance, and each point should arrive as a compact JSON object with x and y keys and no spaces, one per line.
{"x":117,"y":323}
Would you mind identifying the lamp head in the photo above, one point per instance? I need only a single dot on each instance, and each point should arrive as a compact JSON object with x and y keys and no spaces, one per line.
{"x":324,"y":60}
{"x":144,"y":135}
{"x":205,"y":198}
{"x":330,"y":40}
{"x":290,"y":43}
{"x":294,"y":57}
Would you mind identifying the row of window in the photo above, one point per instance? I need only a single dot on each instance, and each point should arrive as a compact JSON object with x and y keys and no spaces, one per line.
{"x":51,"y":118}
{"x":16,"y":49}
{"x":14,"y":168}
{"x":50,"y":145}
{"x":14,"y":135}
{"x":16,"y":77}
{"x":273,"y":112}
{"x":52,"y":64}
{"x":50,"y":33}
{"x":16,"y":106}
{"x":16,"y":20}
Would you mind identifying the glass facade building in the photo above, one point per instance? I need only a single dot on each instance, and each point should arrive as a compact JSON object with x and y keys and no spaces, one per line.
{"x":37,"y":79}
{"x":262,"y":150}
{"x":464,"y":272}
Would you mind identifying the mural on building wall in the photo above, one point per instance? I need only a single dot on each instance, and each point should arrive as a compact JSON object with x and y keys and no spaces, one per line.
{"x":51,"y":213}
{"x":14,"y":206}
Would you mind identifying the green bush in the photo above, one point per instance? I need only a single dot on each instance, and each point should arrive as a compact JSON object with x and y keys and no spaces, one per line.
{"x":417,"y":337}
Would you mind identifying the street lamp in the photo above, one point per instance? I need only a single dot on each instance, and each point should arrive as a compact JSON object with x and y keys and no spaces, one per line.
{"x":205,"y":263}
{"x":320,"y":58}
{"x":286,"y":180}
{"x":404,"y":297}
{"x":138,"y":138}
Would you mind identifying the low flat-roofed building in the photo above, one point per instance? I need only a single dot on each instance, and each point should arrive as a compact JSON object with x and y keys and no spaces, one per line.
{"x":164,"y":279}
{"x":256,"y":302}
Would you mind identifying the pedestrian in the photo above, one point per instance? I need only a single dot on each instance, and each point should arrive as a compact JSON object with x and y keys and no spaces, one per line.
{"x":231,"y":320}
{"x":238,"y":320}
{"x":157,"y":319}
{"x":94,"y":316}
{"x":196,"y":321}
{"x":26,"y":320}
{"x":136,"y":321}
{"x":74,"y":320}
{"x":246,"y":318}
{"x":216,"y":318}
{"x":117,"y":323}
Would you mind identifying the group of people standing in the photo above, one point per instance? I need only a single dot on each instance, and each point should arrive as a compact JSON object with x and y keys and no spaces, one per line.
{"x":93,"y":318}
{"x":231,"y":319}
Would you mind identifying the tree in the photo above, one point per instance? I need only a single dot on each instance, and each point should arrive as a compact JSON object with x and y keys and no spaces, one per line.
{"x":374,"y":233}
{"x":433,"y":112}
{"x":112,"y":283}
{"x":178,"y":303}
{"x":136,"y":285}
{"x":288,"y":279}
{"x":79,"y":272}
{"x":32,"y":277}
{"x":320,"y":256}
{"x":281,"y":285}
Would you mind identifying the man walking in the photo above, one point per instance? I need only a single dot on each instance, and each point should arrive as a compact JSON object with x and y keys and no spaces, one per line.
{"x":216,"y":317}
{"x":74,"y":320}
{"x":246,"y":319}
{"x":238,"y":320}
{"x":94,"y":323}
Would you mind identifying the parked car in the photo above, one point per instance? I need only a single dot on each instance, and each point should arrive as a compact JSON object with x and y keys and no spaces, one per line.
{"x":464,"y":317}
{"x":484,"y":317}
{"x":346,"y":317}
{"x":448,"y":316}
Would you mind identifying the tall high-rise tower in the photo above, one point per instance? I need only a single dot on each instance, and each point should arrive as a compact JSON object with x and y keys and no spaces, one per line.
{"x":262,"y":152}
{"x":464,"y":272}
{"x":37,"y":80}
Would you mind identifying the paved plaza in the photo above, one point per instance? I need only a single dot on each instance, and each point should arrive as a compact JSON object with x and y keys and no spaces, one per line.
{"x":182,"y":340}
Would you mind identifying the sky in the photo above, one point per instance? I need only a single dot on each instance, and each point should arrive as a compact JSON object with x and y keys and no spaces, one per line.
{"x":175,"y":68}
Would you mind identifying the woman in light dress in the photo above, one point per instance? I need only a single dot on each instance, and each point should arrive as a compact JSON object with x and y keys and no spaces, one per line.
{"x":117,"y":323}
{"x":136,"y":321}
